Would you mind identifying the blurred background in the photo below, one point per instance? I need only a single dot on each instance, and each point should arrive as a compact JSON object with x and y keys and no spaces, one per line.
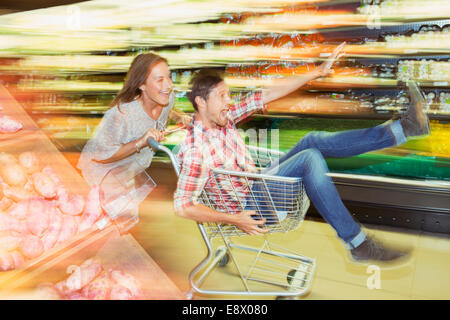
{"x":63,"y":61}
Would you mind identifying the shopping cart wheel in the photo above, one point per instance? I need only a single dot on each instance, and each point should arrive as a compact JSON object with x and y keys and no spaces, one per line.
{"x":190,"y":294}
{"x":290,"y":276}
{"x":286,"y":298}
{"x":224,"y":261}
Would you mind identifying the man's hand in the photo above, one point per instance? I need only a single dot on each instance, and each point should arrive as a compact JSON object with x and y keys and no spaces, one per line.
{"x":325,"y":68}
{"x":246,"y":223}
{"x":284,"y":86}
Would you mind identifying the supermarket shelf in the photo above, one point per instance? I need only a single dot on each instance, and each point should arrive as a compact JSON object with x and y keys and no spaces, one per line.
{"x":373,"y":83}
{"x":371,"y":116}
{"x":363,"y":33}
{"x":396,"y":59}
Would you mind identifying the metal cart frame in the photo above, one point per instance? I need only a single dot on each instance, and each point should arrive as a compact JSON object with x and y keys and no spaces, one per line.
{"x":281,"y":201}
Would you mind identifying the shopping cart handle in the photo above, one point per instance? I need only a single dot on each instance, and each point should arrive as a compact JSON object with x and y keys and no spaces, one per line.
{"x":157,"y":146}
{"x":153,"y":143}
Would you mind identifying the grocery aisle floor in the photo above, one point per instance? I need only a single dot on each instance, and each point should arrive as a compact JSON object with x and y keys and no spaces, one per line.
{"x":176,"y":245}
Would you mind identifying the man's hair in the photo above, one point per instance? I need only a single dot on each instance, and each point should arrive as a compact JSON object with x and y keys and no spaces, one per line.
{"x":201,"y":83}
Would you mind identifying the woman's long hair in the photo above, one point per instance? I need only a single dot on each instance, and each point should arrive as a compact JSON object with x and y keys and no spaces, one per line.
{"x":137,"y":74}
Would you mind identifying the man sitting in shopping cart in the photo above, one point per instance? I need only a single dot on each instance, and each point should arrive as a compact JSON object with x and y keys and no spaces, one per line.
{"x":214,"y":142}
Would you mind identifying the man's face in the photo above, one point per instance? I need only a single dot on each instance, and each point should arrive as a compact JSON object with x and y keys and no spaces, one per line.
{"x":158,"y":85}
{"x":218,"y":104}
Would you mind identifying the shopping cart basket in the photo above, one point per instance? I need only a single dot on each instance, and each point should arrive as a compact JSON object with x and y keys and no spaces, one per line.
{"x":281,"y":201}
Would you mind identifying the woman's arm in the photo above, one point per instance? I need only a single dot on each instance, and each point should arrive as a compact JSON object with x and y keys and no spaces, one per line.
{"x":124,"y":151}
{"x":132,"y":147}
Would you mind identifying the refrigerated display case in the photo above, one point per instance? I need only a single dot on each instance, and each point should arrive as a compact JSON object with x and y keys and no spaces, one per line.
{"x":22,"y":274}
{"x":113,"y":251}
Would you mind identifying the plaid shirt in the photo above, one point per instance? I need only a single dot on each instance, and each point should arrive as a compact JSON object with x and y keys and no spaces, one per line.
{"x":205,"y":149}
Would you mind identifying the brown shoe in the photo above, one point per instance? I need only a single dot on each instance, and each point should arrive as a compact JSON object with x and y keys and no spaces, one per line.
{"x":373,"y":252}
{"x":415,"y":121}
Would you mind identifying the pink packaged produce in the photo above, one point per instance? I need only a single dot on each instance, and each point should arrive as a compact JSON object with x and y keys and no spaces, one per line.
{"x":93,"y":210}
{"x":115,"y":267}
{"x":30,"y":162}
{"x":19,"y":210}
{"x":89,"y":282}
{"x":13,"y":174}
{"x":44,"y":185}
{"x":31,"y":246}
{"x":82,"y":276}
{"x":5,"y":203}
{"x":72,"y":204}
{"x":68,"y":230}
{"x":120,"y":293}
{"x":36,"y":208}
{"x":50,"y":238}
{"x":38,"y":217}
{"x":126,"y":280}
{"x":9,"y":125}
{"x":8,"y":223}
{"x":10,"y":240}
{"x":6,"y":261}
{"x":100,"y":288}
{"x":11,"y":260}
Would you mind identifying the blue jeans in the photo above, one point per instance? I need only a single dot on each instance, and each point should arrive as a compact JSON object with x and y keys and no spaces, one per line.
{"x":306,"y":160}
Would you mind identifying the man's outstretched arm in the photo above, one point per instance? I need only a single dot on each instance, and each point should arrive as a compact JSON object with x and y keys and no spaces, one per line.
{"x":283,"y":87}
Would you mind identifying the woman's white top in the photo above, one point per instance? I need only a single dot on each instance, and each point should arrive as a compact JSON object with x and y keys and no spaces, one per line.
{"x":116,"y":129}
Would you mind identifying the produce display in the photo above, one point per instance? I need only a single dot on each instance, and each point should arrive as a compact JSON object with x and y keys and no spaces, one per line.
{"x":9,"y":125}
{"x":92,"y":281}
{"x":37,"y":212}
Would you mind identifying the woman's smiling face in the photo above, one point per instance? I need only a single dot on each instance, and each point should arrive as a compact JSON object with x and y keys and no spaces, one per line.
{"x":158,"y":85}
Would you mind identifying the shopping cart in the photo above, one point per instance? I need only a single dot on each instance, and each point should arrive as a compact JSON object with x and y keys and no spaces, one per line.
{"x":282,"y":201}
